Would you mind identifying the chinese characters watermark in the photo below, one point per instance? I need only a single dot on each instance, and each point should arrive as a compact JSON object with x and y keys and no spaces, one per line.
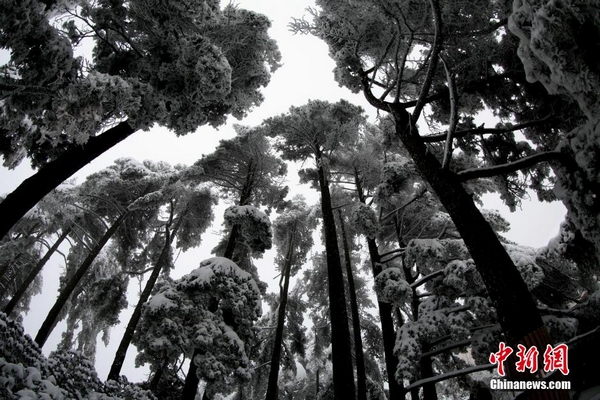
{"x":555,"y":358}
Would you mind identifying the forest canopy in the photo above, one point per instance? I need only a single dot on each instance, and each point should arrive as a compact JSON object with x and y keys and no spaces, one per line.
{"x":334,"y":248}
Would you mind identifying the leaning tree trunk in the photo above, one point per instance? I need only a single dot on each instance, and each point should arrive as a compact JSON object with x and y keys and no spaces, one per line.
{"x":341,"y":349}
{"x":272,"y":389}
{"x":33,"y":273}
{"x":361,"y":375}
{"x":117,"y":364}
{"x":51,"y":320}
{"x":517,"y":312}
{"x":48,"y":177}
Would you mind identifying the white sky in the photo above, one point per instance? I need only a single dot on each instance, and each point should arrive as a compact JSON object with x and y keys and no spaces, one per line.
{"x":306,"y":74}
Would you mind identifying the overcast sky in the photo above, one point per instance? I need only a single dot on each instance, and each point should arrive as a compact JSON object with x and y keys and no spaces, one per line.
{"x":306,"y":74}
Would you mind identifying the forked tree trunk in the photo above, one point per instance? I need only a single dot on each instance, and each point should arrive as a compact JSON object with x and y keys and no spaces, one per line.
{"x":33,"y":273}
{"x":52,"y":318}
{"x":341,"y":349}
{"x":117,"y":364}
{"x":361,"y":375}
{"x":272,"y":389}
{"x":48,"y":177}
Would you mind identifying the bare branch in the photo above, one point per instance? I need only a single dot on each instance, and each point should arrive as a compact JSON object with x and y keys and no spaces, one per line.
{"x":433,"y":60}
{"x":453,"y":115}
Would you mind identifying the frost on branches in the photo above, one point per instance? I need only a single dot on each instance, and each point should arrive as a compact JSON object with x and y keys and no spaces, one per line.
{"x":448,"y":305}
{"x":558,"y":48}
{"x":364,"y":220}
{"x":391,"y":287}
{"x":254,"y":225}
{"x":26,"y":374}
{"x":205,"y":63}
{"x":211,"y":309}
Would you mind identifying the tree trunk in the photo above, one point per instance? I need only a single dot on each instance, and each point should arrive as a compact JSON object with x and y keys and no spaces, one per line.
{"x":117,"y":364}
{"x":52,"y":318}
{"x":272,"y":389}
{"x":33,"y":273}
{"x":48,"y":177}
{"x":387,"y":329}
{"x":361,"y":375}
{"x":385,"y":312}
{"x":343,"y":374}
{"x":517,"y":312}
{"x":231,"y":242}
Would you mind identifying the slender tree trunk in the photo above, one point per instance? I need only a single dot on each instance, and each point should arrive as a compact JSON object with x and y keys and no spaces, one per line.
{"x":33,"y":273}
{"x":387,"y":329}
{"x":385,"y":312}
{"x":231,"y":242}
{"x":361,"y":375}
{"x":429,"y":391}
{"x":272,"y":389}
{"x":52,"y":318}
{"x":48,"y":177}
{"x":117,"y":364}
{"x":343,"y":374}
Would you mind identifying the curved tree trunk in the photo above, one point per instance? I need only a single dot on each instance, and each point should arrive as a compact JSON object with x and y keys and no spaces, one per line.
{"x":341,"y":349}
{"x":52,"y":318}
{"x":117,"y":364}
{"x":272,"y":389}
{"x":33,"y":273}
{"x":48,"y":177}
{"x":361,"y":375}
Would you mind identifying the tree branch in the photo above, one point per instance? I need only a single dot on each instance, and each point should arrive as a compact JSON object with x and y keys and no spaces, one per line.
{"x":453,"y":115}
{"x":435,"y":51}
{"x":503,"y":169}
{"x":449,"y":375}
{"x":484,"y":131}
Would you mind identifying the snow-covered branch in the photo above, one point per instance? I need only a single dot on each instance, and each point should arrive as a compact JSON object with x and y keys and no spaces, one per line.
{"x":449,"y":375}
{"x":503,"y":169}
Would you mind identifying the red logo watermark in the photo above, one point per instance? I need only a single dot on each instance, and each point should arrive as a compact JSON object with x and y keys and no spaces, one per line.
{"x":555,"y":358}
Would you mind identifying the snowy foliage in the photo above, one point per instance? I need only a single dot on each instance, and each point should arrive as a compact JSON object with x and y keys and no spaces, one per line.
{"x":26,"y":374}
{"x":525,"y":261}
{"x":212,"y":65}
{"x":395,"y":176}
{"x":211,"y":309}
{"x":391,"y":287}
{"x":408,"y":351}
{"x":484,"y":342}
{"x":364,"y":220}
{"x":462,"y":276}
{"x":254,"y":225}
{"x":556,"y":47}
